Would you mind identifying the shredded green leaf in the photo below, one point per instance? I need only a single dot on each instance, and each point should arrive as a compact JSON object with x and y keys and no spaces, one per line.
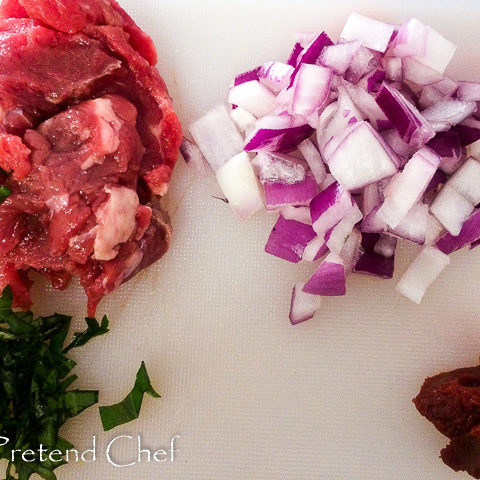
{"x":4,"y":193}
{"x":34,"y":380}
{"x":93,"y":330}
{"x":128,"y":409}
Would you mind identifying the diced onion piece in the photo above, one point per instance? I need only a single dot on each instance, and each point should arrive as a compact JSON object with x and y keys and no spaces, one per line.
{"x":447,"y":86}
{"x":275,"y":75}
{"x":339,"y":57}
{"x":371,"y":198}
{"x":240,"y":186}
{"x":329,"y":207}
{"x":253,"y":97}
{"x":411,"y":39}
{"x":473,"y":150}
{"x":413,"y":226}
{"x":407,"y":187}
{"x":396,"y":143}
{"x":434,"y":230}
{"x":418,"y":73}
{"x":299,"y":193}
{"x":469,"y":234}
{"x":438,"y":51}
{"x":248,"y":76}
{"x":300,"y":214}
{"x":288,"y":239}
{"x":358,"y":157}
{"x":314,"y":160}
{"x":447,"y":145}
{"x":451,"y":209}
{"x":279,"y":168}
{"x":315,"y":250}
{"x":393,"y":67}
{"x":277,"y":133}
{"x":351,"y":250}
{"x":293,"y":58}
{"x":385,"y":246}
{"x":466,"y":181}
{"x":423,"y":271}
{"x":469,"y":91}
{"x":449,"y":112}
{"x":329,"y":279}
{"x":372,"y":33}
{"x":304,"y":305}
{"x":372,"y":263}
{"x":217,"y":137}
{"x":310,"y":89}
{"x":337,"y":236}
{"x":430,"y":96}
{"x":243,"y":120}
{"x":361,"y":65}
{"x":404,"y":116}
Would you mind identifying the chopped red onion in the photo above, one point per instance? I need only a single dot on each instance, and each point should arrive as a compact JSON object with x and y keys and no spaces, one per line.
{"x":329,"y":279}
{"x":451,"y":209}
{"x":430,"y":96}
{"x":279,"y":168}
{"x":466,"y":181}
{"x":447,"y":86}
{"x":386,"y":246}
{"x":469,"y":91}
{"x":423,"y":271}
{"x":413,"y":226}
{"x":448,"y":112}
{"x":280,"y":133}
{"x":310,"y":89}
{"x":358,"y":157}
{"x":293,"y":58}
{"x":315,"y":250}
{"x":372,"y":263}
{"x":303,"y":305}
{"x":412,"y":127}
{"x":350,"y":252}
{"x":339,"y":57}
{"x":418,"y":73}
{"x":393,"y":68}
{"x":281,"y":194}
{"x":300,"y":214}
{"x":447,"y":145}
{"x":243,"y":120}
{"x":410,"y":40}
{"x":314,"y":160}
{"x":375,"y":80}
{"x":253,"y":97}
{"x":217,"y":137}
{"x":372,"y":33}
{"x":434,"y":230}
{"x":329,"y":207}
{"x":249,"y":76}
{"x":469,"y":234}
{"x":240,"y":186}
{"x":468,"y":131}
{"x":371,"y":198}
{"x":336,"y":237}
{"x":473,"y":150}
{"x":288,"y":239}
{"x":407,"y":188}
{"x":275,"y":75}
{"x":438,"y":51}
{"x":395,"y":142}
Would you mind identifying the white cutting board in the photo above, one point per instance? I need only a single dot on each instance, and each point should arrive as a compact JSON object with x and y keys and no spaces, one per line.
{"x":251,"y":396}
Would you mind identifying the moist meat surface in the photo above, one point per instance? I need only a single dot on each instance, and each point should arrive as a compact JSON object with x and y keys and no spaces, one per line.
{"x":88,"y":141}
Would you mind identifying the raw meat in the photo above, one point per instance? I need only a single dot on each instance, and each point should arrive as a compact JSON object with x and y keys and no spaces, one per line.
{"x":88,"y":141}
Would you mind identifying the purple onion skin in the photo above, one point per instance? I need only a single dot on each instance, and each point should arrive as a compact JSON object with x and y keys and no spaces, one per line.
{"x":370,"y":263}
{"x":469,"y":234}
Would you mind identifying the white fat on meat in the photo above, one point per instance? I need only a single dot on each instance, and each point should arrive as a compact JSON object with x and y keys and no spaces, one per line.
{"x":116,"y":221}
{"x":57,"y":203}
{"x":107,"y":133}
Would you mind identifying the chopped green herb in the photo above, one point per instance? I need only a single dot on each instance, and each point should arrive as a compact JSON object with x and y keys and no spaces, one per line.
{"x":34,"y":380}
{"x":129,"y":408}
{"x":93,"y":330}
{"x":4,"y":193}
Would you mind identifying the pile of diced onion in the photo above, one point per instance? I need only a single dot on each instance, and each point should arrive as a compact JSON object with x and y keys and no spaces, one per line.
{"x":354,"y":144}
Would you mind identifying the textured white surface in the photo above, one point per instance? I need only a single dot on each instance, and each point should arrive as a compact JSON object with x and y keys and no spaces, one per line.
{"x":252,"y":397}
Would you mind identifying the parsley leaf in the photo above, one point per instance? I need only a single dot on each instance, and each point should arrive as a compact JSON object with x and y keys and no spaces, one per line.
{"x":128,"y":409}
